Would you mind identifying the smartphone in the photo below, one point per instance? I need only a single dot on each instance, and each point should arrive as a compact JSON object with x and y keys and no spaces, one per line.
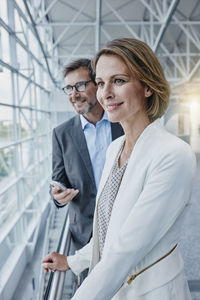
{"x":61,"y":185}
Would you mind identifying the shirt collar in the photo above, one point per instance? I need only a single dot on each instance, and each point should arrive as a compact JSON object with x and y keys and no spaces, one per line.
{"x":85,"y":122}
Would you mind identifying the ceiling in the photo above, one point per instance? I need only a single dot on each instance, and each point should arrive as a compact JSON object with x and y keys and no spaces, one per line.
{"x":170,"y":27}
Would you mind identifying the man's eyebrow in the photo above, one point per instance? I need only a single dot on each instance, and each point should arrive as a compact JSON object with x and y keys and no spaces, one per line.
{"x":118,"y":74}
{"x":82,"y":81}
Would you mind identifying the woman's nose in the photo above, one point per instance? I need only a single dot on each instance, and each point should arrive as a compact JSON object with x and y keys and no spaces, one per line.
{"x":107,"y":91}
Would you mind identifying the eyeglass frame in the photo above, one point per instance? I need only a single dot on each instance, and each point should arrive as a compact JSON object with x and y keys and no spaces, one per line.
{"x":81,"y":83}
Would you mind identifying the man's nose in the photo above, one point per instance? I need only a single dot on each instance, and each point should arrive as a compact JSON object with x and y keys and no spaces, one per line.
{"x":74,"y":94}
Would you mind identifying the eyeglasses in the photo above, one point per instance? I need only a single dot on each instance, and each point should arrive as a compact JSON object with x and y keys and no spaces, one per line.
{"x":79,"y":87}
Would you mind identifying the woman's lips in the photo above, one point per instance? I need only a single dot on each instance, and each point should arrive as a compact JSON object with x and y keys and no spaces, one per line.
{"x":113,"y":106}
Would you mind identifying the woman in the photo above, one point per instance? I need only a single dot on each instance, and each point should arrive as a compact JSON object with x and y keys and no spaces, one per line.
{"x":144,"y":189}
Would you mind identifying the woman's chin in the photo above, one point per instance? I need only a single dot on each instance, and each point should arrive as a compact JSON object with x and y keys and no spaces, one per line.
{"x":113,"y":119}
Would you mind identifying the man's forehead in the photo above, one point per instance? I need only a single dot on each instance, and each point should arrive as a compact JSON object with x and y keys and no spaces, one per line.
{"x":80,"y":74}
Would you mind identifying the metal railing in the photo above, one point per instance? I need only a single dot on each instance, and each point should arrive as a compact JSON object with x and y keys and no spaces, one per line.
{"x":56,"y":280}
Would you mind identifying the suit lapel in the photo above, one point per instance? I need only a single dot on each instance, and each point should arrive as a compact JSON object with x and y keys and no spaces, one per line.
{"x":79,"y":141}
{"x":116,"y":130}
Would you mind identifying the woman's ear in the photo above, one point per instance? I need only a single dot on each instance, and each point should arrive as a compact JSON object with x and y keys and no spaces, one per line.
{"x":148,"y":92}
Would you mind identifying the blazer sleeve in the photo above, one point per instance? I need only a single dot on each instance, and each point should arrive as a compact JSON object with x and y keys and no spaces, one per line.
{"x":58,"y":167}
{"x":163,"y":198}
{"x":81,"y":259}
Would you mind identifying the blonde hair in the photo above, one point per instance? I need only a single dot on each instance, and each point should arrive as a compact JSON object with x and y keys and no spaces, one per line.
{"x":143,"y":63}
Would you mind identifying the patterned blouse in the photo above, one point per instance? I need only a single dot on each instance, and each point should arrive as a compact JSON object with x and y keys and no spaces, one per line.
{"x":107,"y":198}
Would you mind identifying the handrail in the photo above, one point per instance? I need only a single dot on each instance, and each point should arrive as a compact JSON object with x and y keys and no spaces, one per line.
{"x":56,"y":280}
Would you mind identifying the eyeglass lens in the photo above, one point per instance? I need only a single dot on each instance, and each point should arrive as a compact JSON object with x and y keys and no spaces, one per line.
{"x":79,"y":86}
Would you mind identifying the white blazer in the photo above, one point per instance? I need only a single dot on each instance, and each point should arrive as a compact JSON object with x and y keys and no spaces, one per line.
{"x":144,"y":224}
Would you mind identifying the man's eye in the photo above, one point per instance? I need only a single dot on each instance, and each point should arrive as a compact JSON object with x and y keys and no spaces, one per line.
{"x":80,"y":84}
{"x":100,"y":84}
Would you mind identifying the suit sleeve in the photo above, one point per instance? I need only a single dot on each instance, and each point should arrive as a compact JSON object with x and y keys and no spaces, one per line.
{"x":58,"y":167}
{"x":164,"y":196}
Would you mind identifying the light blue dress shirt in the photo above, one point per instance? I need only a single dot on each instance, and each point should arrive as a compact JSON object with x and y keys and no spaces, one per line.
{"x":98,"y":138}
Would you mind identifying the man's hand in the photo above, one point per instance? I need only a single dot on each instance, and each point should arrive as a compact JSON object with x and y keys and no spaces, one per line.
{"x":55,"y":261}
{"x":63,"y":197}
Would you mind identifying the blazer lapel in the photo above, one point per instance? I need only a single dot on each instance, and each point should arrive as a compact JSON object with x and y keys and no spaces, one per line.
{"x":135,"y":166}
{"x":79,"y":141}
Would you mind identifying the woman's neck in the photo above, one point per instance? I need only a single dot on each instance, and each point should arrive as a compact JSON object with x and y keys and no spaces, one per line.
{"x":132,"y":132}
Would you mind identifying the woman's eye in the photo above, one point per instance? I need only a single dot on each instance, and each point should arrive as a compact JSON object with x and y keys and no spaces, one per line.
{"x":119,"y":81}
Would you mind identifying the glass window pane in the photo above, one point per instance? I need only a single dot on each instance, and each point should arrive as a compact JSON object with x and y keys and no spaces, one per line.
{"x":24,"y":92}
{"x":22,"y":60}
{"x":37,"y":72}
{"x":20,"y":27}
{"x":3,"y":11}
{"x":8,"y":206}
{"x":32,"y":95}
{"x":34,"y":43}
{"x":28,"y":184}
{"x":6,"y":125}
{"x":27,"y":154}
{"x":43,"y":122}
{"x":5,"y":45}
{"x":7,"y":166}
{"x":44,"y":194}
{"x":21,"y":5}
{"x":5,"y":91}
{"x":25,"y":123}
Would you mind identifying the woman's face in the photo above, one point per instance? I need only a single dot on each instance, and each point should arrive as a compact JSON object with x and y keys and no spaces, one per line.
{"x":121,"y":94}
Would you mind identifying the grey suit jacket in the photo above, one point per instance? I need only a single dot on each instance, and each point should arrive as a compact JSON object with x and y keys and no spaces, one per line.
{"x":72,"y":166}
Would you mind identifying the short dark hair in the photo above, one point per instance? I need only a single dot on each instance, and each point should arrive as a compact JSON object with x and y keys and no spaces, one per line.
{"x":80,"y":63}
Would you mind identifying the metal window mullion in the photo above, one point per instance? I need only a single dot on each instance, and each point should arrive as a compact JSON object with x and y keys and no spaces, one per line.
{"x":25,"y":107}
{"x":188,"y":55}
{"x":25,"y":89}
{"x":193,"y":71}
{"x":13,"y":69}
{"x":98,"y":25}
{"x":13,"y":57}
{"x":78,"y":44}
{"x":150,"y":9}
{"x":187,"y":33}
{"x":168,"y":17}
{"x":145,"y":34}
{"x":123,"y":5}
{"x":71,"y":24}
{"x":75,"y":9}
{"x":13,"y":33}
{"x":22,"y":26}
{"x":62,"y":24}
{"x":194,"y":33}
{"x":122,"y":20}
{"x":151,"y":26}
{"x":158,"y":8}
{"x":106,"y":33}
{"x":173,"y":59}
{"x":44,"y":13}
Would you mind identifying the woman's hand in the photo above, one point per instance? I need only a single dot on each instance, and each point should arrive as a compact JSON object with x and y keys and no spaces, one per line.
{"x":55,"y":261}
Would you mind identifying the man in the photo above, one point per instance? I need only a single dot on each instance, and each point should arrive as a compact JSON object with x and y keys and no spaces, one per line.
{"x":79,"y":149}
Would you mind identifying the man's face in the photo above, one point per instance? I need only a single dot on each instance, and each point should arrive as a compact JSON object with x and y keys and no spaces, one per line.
{"x":82,"y":102}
